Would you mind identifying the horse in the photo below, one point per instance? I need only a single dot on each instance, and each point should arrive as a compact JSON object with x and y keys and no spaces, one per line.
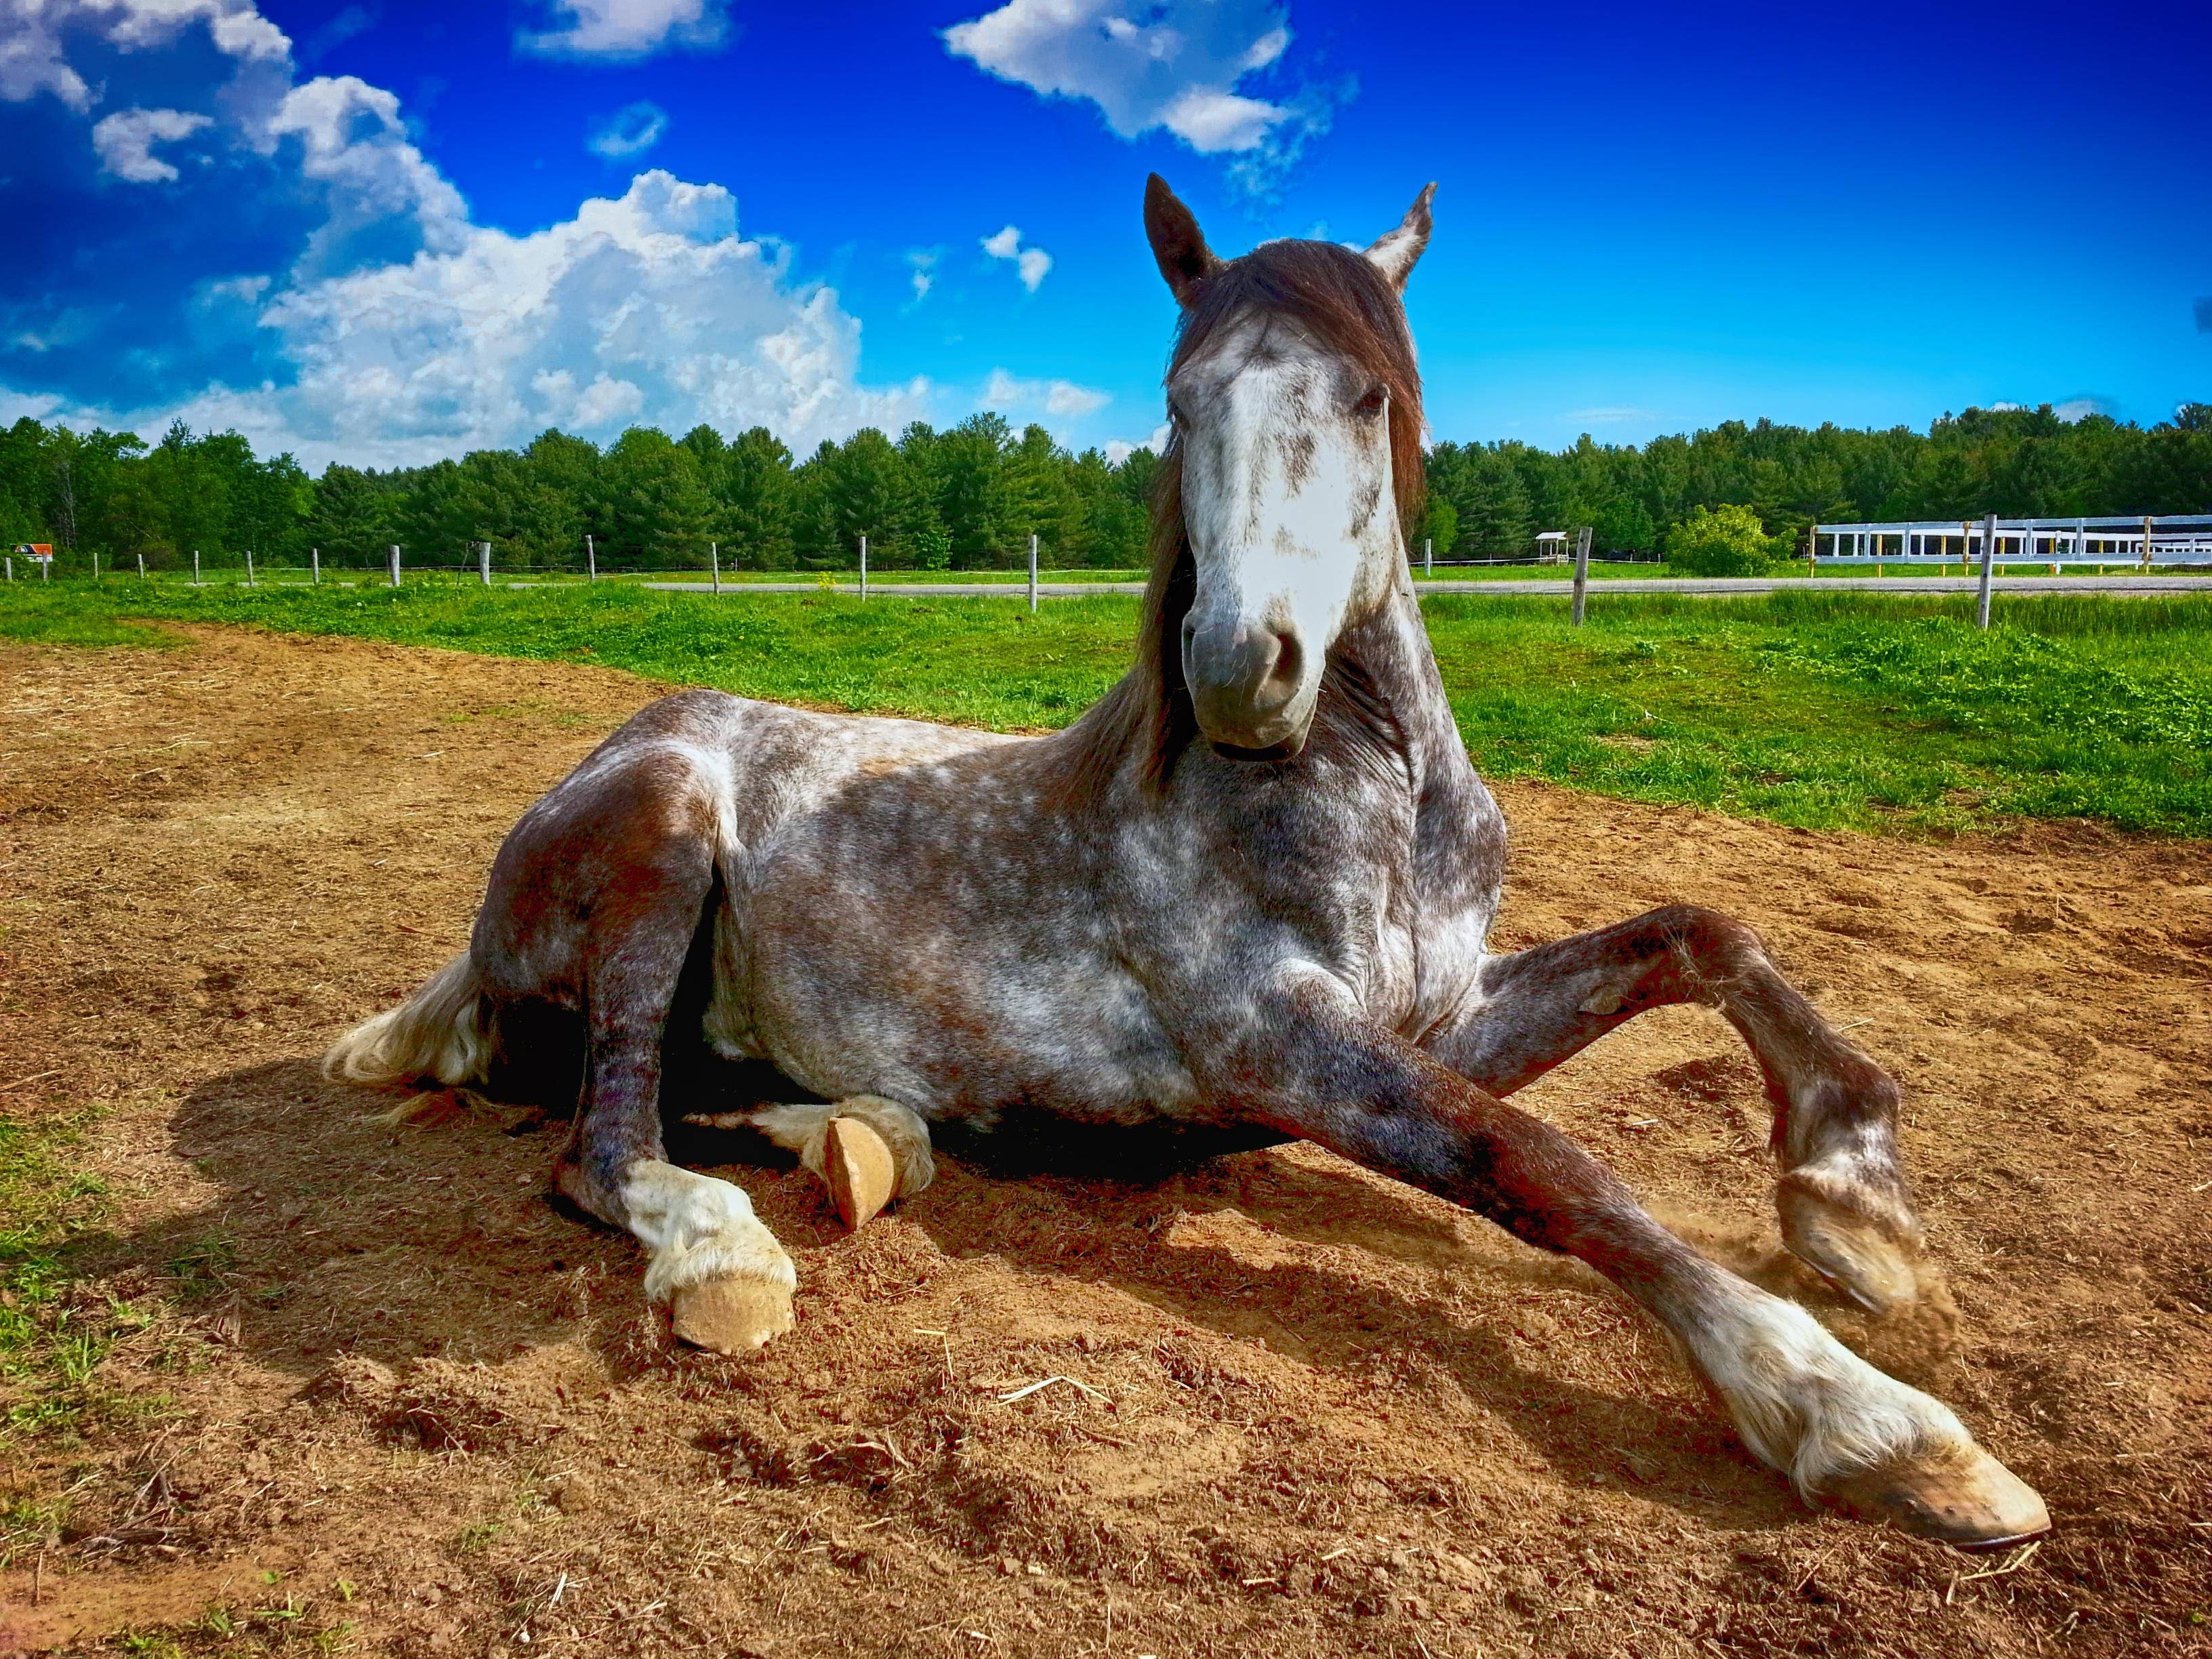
{"x":1244,"y":899}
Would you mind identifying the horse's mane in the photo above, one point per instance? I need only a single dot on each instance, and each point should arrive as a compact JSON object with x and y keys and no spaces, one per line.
{"x":1338,"y":298}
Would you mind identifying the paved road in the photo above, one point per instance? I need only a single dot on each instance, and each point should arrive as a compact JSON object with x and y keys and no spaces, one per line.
{"x":1717,"y":585}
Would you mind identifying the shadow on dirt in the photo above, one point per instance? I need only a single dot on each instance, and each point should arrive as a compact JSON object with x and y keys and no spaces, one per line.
{"x":337,"y":1231}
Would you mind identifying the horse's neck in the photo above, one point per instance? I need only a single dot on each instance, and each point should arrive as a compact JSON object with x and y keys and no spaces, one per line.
{"x":1389,"y":652}
{"x":1458,"y":851}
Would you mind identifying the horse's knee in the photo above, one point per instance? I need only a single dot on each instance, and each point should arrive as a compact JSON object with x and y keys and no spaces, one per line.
{"x":1713,"y":943}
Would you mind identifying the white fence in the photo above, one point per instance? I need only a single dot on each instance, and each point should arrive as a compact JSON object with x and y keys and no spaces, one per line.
{"x":2142,"y":538}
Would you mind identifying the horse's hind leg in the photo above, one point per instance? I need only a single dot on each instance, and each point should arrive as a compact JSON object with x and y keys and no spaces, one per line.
{"x":1843,"y":1198}
{"x":727,"y":1280}
{"x":868,"y":1151}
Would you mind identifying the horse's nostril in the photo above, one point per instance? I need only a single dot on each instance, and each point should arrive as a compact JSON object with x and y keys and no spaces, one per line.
{"x":1282,"y":674}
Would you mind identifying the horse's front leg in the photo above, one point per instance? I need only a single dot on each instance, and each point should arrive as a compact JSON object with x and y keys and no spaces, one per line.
{"x":1805,"y":1404}
{"x":727,"y":1281}
{"x":1844,"y":1203}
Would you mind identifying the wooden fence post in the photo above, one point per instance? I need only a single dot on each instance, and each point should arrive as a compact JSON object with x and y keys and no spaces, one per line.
{"x":141,"y":567}
{"x":95,"y":564}
{"x":864,"y":569}
{"x":195,"y":566}
{"x":1581,"y":571}
{"x":1033,"y":573}
{"x":483,"y":562}
{"x":1989,"y":553}
{"x":394,"y":552}
{"x":591,"y":561}
{"x":714,"y":563}
{"x":315,"y":565}
{"x":1428,"y":557}
{"x":249,"y":567}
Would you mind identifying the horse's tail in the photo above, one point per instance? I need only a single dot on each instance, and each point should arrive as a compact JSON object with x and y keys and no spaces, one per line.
{"x":441,"y":1032}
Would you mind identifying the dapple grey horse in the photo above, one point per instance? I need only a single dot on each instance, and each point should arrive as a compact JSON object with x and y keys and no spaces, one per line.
{"x":1243,"y":899}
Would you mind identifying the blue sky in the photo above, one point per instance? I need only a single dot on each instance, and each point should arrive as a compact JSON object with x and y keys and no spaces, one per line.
{"x":384,"y":231}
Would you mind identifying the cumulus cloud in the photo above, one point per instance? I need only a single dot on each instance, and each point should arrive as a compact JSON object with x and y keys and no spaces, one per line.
{"x":1030,"y":263}
{"x":34,"y":34}
{"x":631,"y":131}
{"x":627,"y":29}
{"x":1062,"y":397}
{"x":1179,"y":65}
{"x":124,"y":142}
{"x":2071,"y":409}
{"x":644,"y":308}
{"x":382,"y":196}
{"x":382,"y":325}
{"x":1118,"y":449}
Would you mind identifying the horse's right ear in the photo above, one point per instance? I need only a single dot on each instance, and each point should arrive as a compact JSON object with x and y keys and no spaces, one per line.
{"x":1177,"y":242}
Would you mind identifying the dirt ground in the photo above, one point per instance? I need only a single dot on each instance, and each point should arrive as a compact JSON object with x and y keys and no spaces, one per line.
{"x":393,"y":1400}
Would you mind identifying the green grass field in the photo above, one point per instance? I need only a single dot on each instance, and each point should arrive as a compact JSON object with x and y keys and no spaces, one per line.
{"x":1822,"y":710}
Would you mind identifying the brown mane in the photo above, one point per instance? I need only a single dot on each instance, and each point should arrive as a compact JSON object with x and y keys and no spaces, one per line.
{"x":1338,"y":298}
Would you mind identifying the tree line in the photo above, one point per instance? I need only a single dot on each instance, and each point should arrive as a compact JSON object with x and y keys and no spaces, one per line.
{"x":970,"y":495}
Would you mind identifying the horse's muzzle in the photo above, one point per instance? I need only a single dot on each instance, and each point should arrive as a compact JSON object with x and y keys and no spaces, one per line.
{"x":1244,"y":681}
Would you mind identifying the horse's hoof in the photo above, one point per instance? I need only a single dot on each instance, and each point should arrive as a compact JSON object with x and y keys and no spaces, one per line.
{"x":1860,"y":1259}
{"x":730,"y":1316}
{"x":1970,"y":1503}
{"x":861,"y":1172}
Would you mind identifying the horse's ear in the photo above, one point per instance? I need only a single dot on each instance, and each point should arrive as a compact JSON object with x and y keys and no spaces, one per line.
{"x":1177,"y":242}
{"x":1394,"y":254}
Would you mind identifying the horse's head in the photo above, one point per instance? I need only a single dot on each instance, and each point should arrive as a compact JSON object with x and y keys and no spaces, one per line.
{"x":1296,"y":411}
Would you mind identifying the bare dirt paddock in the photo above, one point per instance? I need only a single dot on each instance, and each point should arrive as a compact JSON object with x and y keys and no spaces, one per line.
{"x":390,"y":1400}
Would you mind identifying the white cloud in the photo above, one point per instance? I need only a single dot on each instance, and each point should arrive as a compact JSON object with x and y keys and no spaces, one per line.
{"x":32,"y":34}
{"x":124,"y":142}
{"x":1118,"y":449}
{"x":1062,"y":397}
{"x":921,"y":271}
{"x":627,"y":28}
{"x":404,"y":330}
{"x":631,"y":131}
{"x":354,"y":145}
{"x":1172,"y":65}
{"x":245,"y":290}
{"x":1030,"y":263}
{"x":644,"y":308}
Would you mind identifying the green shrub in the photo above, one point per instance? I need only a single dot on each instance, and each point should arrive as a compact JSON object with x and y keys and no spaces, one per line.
{"x":1728,"y":542}
{"x":933,"y":546}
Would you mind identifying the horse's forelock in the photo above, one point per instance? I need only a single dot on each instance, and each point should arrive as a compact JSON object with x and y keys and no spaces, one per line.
{"x":1343,"y":302}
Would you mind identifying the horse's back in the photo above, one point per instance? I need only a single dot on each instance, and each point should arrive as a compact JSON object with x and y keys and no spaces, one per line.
{"x":691,"y":787}
{"x":755,"y":763}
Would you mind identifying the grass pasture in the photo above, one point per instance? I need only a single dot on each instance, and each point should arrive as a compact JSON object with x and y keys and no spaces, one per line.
{"x":1817,"y":710}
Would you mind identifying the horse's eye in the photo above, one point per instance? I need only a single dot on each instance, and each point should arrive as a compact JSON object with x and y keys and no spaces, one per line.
{"x":1372,"y":403}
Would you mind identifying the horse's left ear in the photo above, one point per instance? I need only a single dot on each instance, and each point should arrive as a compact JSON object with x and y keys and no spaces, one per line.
{"x":1177,"y":242}
{"x":1394,"y":254}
